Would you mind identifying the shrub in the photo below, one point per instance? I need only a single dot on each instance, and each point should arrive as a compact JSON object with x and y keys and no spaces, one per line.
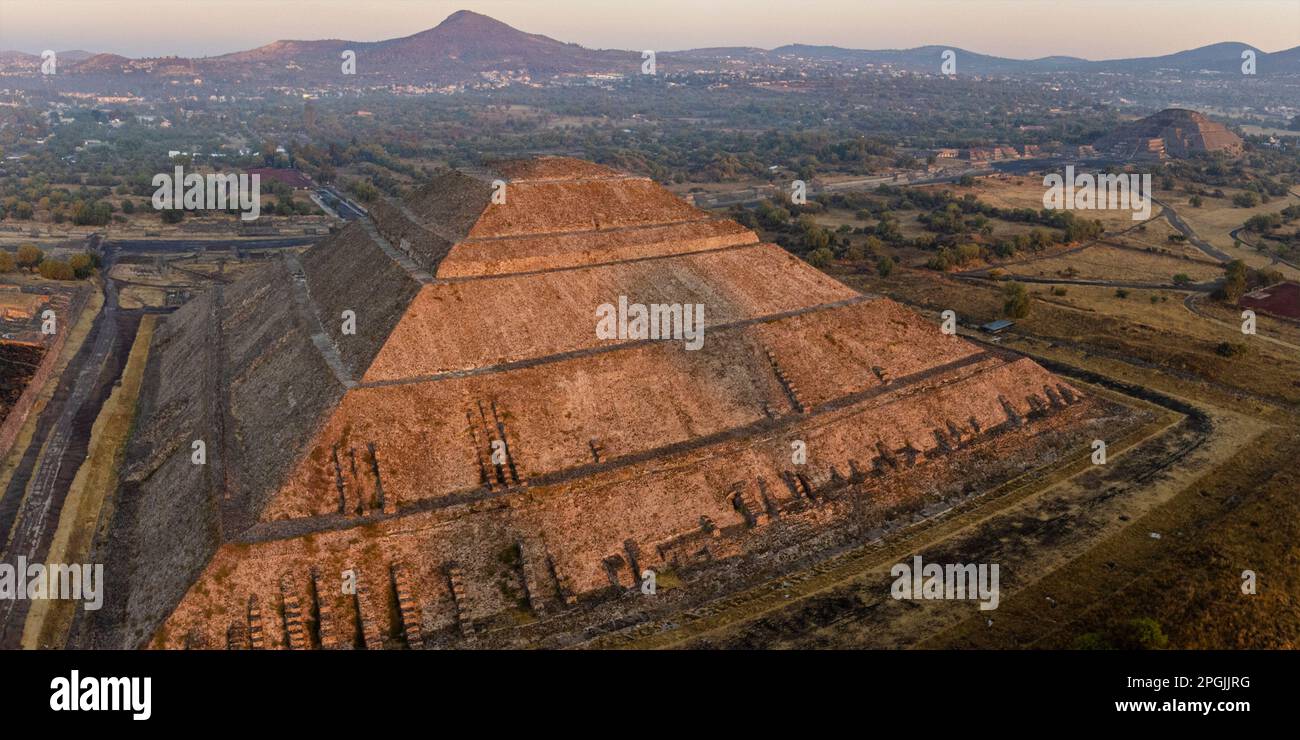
{"x":1229,"y":349}
{"x":820,"y":257}
{"x":1092,"y":641}
{"x":1142,"y":633}
{"x":82,"y":264}
{"x":57,"y":270}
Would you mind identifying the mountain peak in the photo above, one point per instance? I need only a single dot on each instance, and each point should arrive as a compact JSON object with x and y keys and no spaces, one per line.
{"x":466,"y":27}
{"x":469,"y":19}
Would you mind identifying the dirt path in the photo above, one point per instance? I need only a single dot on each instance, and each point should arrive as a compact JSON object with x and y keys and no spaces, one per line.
{"x":52,"y":462}
{"x":48,"y":621}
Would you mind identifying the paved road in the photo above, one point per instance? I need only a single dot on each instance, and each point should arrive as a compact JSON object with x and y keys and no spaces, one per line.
{"x":1185,"y":230}
{"x":1236,"y":235}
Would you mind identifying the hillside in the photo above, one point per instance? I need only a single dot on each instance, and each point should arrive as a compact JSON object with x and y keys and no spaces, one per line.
{"x":466,"y":45}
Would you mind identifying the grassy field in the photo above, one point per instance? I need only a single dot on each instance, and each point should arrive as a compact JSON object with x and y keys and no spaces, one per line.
{"x":1241,"y":516}
{"x":1102,"y":262}
{"x":1027,"y":192}
{"x":135,"y":296}
{"x":1215,"y":220}
{"x":1154,"y":236}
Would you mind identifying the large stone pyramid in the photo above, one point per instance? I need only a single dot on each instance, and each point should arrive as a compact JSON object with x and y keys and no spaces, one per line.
{"x":475,"y":457}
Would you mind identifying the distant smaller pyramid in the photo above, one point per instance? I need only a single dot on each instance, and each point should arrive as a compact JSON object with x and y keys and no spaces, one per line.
{"x":1173,"y":132}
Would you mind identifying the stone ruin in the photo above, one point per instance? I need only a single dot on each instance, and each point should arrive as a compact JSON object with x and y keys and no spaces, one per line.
{"x":474,"y":458}
{"x":1173,"y":132}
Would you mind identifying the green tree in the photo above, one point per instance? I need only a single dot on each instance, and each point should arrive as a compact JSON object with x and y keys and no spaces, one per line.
{"x":91,"y":214}
{"x":1234,"y":281}
{"x":816,"y":238}
{"x":1016,"y":300}
{"x":7,"y":261}
{"x":82,"y":265}
{"x":885,"y":266}
{"x":1246,"y":199}
{"x":29,"y":256}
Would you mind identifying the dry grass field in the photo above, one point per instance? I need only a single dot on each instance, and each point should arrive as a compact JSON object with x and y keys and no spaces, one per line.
{"x":1215,"y":220}
{"x":1102,"y":262}
{"x":1153,"y":236}
{"x":1131,"y":328}
{"x":1006,"y":191}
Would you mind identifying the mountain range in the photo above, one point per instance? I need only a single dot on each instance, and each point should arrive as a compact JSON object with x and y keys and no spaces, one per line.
{"x":1221,"y":58}
{"x":468,"y":45}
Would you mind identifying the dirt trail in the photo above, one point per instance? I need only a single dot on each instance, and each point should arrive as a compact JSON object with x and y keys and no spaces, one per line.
{"x":54,"y":457}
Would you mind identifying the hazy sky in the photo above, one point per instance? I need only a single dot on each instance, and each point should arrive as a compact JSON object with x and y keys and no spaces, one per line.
{"x":1093,"y":29}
